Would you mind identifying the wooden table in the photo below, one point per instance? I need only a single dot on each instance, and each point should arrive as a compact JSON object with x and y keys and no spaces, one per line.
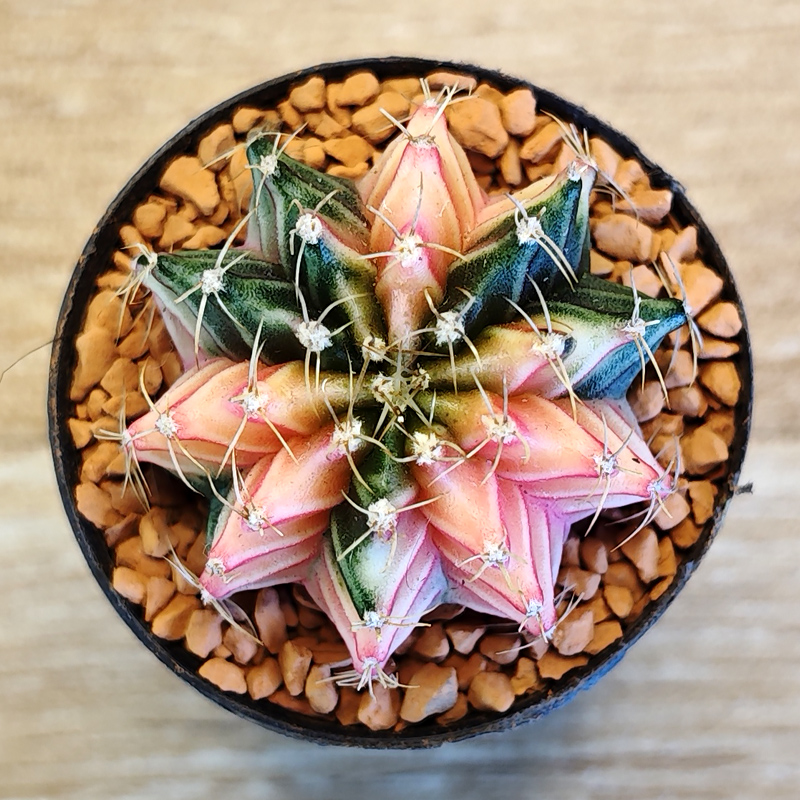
{"x":708,"y":704}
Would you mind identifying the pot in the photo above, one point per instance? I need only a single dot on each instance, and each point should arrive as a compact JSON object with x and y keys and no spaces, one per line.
{"x":96,"y":257}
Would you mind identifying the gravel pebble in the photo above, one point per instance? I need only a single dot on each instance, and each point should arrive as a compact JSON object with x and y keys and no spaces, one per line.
{"x":130,"y":584}
{"x":176,"y":231}
{"x":518,"y":111}
{"x":457,"y":712}
{"x":173,"y":620}
{"x":320,"y":692}
{"x":675,"y":509}
{"x":688,"y":400}
{"x":702,"y":450}
{"x":703,"y":495}
{"x":358,"y":89}
{"x":370,"y":122}
{"x":667,"y":563}
{"x":265,"y":679}
{"x":243,"y":647}
{"x":500,"y":648}
{"x":594,"y":554}
{"x":227,"y":676}
{"x":574,"y":633}
{"x":204,"y":632}
{"x":552,"y":665}
{"x":310,"y":95}
{"x":269,"y":619}
{"x":722,"y":379}
{"x":491,"y":691}
{"x":379,"y":711}
{"x":685,"y":534}
{"x":580,"y":581}
{"x":648,"y":402}
{"x":220,"y":141}
{"x":444,"y":78}
{"x":149,"y":219}
{"x":350,"y":151}
{"x":476,"y":125}
{"x":623,"y":238}
{"x":604,"y":634}
{"x":526,"y":677}
{"x":432,"y":643}
{"x":294,"y":661}
{"x":642,"y":549}
{"x":159,"y":593}
{"x":434,"y":689}
{"x":651,"y":205}
{"x":464,"y":636}
{"x":187,"y":178}
{"x":468,"y":669}
{"x":721,"y":320}
{"x":619,"y":599}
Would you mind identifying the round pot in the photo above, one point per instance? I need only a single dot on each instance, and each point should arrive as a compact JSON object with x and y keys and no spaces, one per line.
{"x":95,"y":259}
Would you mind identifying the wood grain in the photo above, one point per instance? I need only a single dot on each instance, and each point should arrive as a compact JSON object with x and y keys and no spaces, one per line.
{"x":708,"y":704}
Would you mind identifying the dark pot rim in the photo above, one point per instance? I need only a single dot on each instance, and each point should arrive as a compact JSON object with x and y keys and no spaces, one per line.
{"x":96,"y":258}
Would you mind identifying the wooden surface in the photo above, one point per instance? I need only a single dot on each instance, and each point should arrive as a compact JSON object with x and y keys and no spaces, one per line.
{"x":708,"y":704}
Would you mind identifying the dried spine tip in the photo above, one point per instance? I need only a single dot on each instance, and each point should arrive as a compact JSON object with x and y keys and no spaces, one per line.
{"x":382,"y":517}
{"x":212,"y":281}
{"x":308,"y":228}
{"x":500,"y":429}
{"x":346,"y":435}
{"x":314,"y":336}
{"x":426,"y":447}
{"x":550,"y":345}
{"x":166,"y":425}
{"x":373,"y":348}
{"x":449,"y":328}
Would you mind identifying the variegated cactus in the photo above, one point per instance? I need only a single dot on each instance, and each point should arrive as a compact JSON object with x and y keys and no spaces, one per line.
{"x":403,"y":392}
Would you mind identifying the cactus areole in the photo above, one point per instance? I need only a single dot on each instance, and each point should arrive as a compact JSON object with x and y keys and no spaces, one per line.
{"x":400,"y":392}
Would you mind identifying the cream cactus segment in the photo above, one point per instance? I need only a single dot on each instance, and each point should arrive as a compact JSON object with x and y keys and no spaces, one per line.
{"x":401,"y":392}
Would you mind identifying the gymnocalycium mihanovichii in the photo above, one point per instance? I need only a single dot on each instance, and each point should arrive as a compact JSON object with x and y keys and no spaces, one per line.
{"x":401,"y":392}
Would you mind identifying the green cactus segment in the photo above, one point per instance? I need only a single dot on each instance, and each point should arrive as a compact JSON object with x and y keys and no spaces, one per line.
{"x":347,"y":525}
{"x":339,"y":278}
{"x":248,"y":289}
{"x":608,"y":350}
{"x":283,"y":189}
{"x":364,"y":543}
{"x":508,"y":256}
{"x":218,"y":511}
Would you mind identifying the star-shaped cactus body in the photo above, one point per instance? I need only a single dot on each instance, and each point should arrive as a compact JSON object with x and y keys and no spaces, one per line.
{"x":402,"y":392}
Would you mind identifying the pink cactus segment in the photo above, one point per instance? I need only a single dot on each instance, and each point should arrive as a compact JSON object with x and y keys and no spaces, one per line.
{"x":500,"y":205}
{"x":511,"y":575}
{"x":509,"y":352}
{"x":540,"y":440}
{"x":620,"y":419}
{"x":423,"y":213}
{"x":554,"y":455}
{"x":306,"y":477}
{"x":429,"y":120}
{"x":207,"y":417}
{"x":547,"y":551}
{"x":245,"y":557}
{"x":468,"y":505}
{"x":428,"y":132}
{"x":409,"y":585}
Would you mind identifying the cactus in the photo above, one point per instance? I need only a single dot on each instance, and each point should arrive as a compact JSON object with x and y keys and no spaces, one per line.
{"x":403,"y":392}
